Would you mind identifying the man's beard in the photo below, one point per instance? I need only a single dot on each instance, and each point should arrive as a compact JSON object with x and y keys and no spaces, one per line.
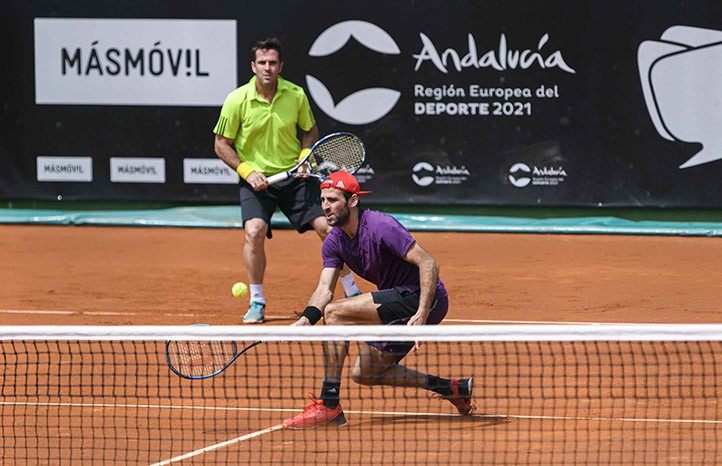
{"x":341,"y":218}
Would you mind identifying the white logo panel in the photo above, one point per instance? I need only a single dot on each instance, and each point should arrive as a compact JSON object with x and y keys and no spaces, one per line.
{"x":137,"y":170}
{"x":65,"y":169}
{"x":134,"y":61}
{"x":208,"y":171}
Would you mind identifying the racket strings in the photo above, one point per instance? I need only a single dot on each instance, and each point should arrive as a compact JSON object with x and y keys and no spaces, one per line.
{"x":343,"y":152}
{"x":199,"y":358}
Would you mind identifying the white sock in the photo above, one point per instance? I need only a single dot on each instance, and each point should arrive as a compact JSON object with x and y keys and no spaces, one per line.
{"x":257,"y":293}
{"x":349,"y":285}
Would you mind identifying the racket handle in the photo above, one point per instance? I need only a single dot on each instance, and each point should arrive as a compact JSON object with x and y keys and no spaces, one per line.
{"x":277,"y":177}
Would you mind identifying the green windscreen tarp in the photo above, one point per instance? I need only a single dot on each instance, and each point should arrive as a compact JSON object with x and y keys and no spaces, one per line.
{"x":230,"y":217}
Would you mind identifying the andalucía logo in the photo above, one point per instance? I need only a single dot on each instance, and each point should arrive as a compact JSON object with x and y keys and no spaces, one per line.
{"x":519,"y":180}
{"x":364,"y":106}
{"x":369,"y":105}
{"x":424,"y":174}
{"x":522,"y":175}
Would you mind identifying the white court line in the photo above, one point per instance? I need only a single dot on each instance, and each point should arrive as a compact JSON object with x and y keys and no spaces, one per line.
{"x":87,"y":313}
{"x":540,"y":322}
{"x":109,"y":313}
{"x":218,"y":445}
{"x":373,"y":413}
{"x":619,"y":419}
{"x":483,"y":416}
{"x":464,"y":321}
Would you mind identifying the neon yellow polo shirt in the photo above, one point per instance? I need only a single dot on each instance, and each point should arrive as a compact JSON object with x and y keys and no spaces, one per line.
{"x":264,"y":133}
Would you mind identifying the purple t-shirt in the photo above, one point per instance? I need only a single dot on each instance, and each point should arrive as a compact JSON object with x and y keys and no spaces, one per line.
{"x":376,"y":253}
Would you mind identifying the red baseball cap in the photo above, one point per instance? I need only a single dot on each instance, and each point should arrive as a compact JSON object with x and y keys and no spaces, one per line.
{"x":343,"y":181}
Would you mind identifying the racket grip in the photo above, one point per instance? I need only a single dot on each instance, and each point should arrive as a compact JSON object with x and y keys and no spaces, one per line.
{"x":277,"y":177}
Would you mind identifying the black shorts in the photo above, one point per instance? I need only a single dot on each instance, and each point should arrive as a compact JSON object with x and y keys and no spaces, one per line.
{"x":298,"y":198}
{"x":398,"y":305}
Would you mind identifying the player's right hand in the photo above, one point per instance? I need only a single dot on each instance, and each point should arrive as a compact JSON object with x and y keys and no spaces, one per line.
{"x":258,"y":181}
{"x":301,"y":322}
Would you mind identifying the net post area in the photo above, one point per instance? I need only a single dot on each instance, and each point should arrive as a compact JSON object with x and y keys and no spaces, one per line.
{"x":498,"y":394}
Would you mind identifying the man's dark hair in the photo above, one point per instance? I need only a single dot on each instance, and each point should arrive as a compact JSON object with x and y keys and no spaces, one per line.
{"x":271,"y":43}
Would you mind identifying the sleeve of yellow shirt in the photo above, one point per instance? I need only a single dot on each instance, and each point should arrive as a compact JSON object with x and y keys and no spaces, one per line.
{"x":305,"y":115}
{"x":229,"y":121}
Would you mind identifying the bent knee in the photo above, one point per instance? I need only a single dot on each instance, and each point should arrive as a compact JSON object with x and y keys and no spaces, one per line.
{"x":362,"y":378}
{"x":370,"y":373}
{"x":333,"y":314}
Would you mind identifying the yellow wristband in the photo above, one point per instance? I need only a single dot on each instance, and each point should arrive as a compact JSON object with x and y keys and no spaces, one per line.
{"x":244,"y":170}
{"x":304,"y":152}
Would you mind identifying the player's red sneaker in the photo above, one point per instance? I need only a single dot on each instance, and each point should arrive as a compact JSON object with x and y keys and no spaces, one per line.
{"x":461,"y":390}
{"x":316,"y":415}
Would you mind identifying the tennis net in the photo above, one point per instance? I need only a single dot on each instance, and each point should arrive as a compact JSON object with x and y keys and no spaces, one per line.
{"x":546,"y":394}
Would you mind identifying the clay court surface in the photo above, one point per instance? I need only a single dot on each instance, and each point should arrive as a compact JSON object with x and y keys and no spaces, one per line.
{"x":139,"y":276}
{"x":60,"y":275}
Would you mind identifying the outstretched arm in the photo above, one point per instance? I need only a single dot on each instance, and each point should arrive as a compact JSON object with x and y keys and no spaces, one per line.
{"x":321,"y":297}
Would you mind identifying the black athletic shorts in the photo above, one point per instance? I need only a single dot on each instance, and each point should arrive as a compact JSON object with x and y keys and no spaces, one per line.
{"x":298,"y":198}
{"x":398,"y":305}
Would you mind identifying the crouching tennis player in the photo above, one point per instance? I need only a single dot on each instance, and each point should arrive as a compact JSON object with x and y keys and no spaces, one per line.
{"x":379,"y":249}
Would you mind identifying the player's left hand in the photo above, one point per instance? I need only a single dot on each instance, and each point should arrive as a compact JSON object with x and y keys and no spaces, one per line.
{"x":418,"y":319}
{"x":303,"y":169}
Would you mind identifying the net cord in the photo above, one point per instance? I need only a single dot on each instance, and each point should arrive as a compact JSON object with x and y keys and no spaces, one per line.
{"x":542,"y":332}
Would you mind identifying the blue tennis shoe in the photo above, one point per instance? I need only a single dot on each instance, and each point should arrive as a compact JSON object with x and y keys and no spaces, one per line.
{"x":255,"y":313}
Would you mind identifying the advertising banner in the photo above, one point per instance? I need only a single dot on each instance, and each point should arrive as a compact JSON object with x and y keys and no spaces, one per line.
{"x":514,"y":103}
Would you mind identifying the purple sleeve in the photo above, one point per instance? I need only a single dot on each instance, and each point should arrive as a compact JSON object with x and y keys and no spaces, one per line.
{"x":329,"y":254}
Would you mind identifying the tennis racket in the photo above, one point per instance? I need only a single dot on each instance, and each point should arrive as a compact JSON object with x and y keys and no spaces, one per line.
{"x":337,"y":151}
{"x":201,"y":359}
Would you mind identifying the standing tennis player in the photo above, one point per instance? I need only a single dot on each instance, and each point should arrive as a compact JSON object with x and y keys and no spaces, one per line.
{"x":256,"y":136}
{"x":379,"y":249}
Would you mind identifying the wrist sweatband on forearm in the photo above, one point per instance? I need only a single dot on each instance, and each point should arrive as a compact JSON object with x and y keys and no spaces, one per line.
{"x":304,"y":152}
{"x":312,"y":313}
{"x":244,"y":170}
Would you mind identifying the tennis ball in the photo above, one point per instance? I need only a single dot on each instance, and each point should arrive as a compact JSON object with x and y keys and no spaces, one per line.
{"x":239,"y":290}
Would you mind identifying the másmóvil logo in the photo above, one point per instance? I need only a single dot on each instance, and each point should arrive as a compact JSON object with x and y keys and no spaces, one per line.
{"x":364,"y":106}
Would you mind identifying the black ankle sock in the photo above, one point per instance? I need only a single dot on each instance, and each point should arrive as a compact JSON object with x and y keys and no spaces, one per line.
{"x":438,"y":385}
{"x":330,"y":393}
